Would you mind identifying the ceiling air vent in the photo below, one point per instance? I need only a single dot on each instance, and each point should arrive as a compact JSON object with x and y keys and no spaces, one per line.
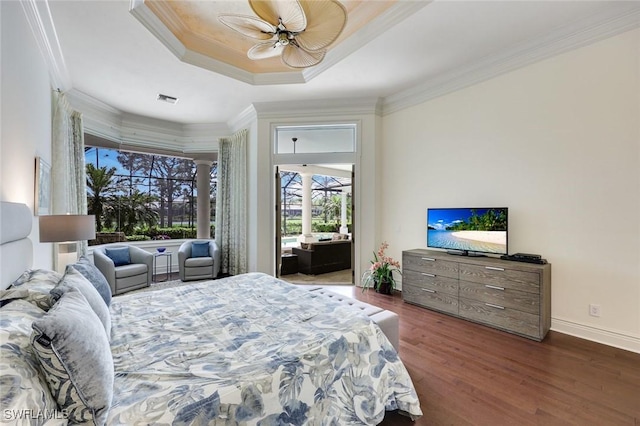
{"x":167,"y":99}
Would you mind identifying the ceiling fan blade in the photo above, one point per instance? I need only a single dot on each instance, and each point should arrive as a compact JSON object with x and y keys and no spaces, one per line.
{"x":325,"y":21}
{"x":289,"y":11}
{"x":249,"y":26}
{"x":264,"y":50}
{"x":296,"y":57}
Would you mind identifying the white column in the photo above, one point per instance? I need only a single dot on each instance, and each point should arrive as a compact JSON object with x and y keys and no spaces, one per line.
{"x":203,"y":184}
{"x":307,"y":180}
{"x":344,"y":229}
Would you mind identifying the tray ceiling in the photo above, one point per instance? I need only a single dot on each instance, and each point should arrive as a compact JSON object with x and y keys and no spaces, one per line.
{"x":193,"y":33}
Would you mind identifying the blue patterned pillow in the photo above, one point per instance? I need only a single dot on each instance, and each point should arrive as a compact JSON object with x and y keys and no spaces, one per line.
{"x":76,"y":359}
{"x":200,"y":249}
{"x":120,"y":256}
{"x":38,"y":283}
{"x":23,"y":387}
{"x":95,"y":277}
{"x":42,"y":280}
{"x":73,"y":279}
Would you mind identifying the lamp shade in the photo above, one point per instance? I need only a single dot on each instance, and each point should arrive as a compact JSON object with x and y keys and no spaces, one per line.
{"x":67,"y":227}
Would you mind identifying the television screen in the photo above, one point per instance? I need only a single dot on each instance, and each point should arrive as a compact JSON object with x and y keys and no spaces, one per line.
{"x":468,"y":230}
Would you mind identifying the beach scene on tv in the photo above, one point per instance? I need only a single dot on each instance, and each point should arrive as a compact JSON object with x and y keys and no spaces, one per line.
{"x":477,"y":230}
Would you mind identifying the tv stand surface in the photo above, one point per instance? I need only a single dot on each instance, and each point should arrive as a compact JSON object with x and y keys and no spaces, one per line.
{"x":507,"y":295}
{"x":465,"y":253}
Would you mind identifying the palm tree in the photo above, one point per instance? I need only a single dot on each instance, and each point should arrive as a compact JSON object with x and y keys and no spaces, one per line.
{"x":100,"y":190}
{"x":132,"y":210}
{"x":332,"y":207}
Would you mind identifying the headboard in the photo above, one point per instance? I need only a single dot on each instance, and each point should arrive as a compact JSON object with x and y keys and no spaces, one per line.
{"x":16,"y":250}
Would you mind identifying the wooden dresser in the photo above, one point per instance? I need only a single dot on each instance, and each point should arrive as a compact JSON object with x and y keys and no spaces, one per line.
{"x":507,"y":295}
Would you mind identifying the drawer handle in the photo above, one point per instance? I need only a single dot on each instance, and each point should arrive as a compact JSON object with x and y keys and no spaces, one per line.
{"x":491,"y":305}
{"x":428,"y":290}
{"x":429,"y":259}
{"x":428,"y":275}
{"x":495,"y":287}
{"x":494,"y":268}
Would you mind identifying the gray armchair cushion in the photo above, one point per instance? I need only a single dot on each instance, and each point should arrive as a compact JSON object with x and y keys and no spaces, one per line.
{"x":76,"y":358}
{"x":200,"y":249}
{"x":197,"y":262}
{"x":120,"y":256}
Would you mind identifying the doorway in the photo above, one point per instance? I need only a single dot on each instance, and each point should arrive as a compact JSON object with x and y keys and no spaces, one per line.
{"x":315,"y":223}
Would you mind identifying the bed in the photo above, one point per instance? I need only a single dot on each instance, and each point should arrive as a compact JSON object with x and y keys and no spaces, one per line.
{"x":248,"y":349}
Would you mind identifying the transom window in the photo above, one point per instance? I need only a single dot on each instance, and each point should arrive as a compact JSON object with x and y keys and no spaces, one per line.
{"x":334,"y":138}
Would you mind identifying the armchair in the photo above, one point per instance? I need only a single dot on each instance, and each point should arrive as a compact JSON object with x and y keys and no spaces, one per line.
{"x":191,"y":267}
{"x":125,"y":277}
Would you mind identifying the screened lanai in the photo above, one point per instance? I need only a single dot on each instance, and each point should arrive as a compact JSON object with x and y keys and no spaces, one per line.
{"x":315,"y":200}
{"x":315,"y":223}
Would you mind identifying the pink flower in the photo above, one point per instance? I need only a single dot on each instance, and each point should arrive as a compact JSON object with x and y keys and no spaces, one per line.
{"x":383,"y":264}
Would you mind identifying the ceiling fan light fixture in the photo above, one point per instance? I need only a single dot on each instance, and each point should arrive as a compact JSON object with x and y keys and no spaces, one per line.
{"x":299,"y":30}
{"x":283,"y":39}
{"x":296,"y":57}
{"x":329,"y":20}
{"x":289,"y":13}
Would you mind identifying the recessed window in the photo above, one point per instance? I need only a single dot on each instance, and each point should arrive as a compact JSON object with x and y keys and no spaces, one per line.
{"x":144,"y":196}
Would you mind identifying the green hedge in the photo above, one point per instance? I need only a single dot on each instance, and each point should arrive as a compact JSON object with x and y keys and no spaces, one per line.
{"x":173,"y":233}
{"x":137,"y":237}
{"x":295,"y":227}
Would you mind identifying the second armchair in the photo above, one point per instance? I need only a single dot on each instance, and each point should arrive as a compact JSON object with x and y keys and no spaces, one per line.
{"x":198,"y":260}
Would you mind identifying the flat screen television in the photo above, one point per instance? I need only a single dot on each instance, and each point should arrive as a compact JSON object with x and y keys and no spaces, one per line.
{"x":468,"y":231}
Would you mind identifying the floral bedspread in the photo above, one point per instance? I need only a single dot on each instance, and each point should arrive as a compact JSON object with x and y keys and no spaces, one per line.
{"x":251,"y":349}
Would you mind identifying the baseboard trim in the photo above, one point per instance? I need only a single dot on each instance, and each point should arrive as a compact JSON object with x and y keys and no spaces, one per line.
{"x":599,"y":335}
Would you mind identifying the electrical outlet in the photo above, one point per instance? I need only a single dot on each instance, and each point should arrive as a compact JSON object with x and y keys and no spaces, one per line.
{"x":594,"y":310}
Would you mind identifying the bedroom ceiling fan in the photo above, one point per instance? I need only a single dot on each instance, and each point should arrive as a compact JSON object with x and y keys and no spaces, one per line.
{"x":298,"y":30}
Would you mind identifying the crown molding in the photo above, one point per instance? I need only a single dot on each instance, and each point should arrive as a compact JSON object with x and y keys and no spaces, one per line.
{"x":137,"y":131}
{"x":150,"y":21}
{"x":314,"y":108}
{"x":39,"y":18}
{"x":587,"y":31}
{"x":98,"y":118}
{"x":244,"y":119}
{"x":376,"y":27}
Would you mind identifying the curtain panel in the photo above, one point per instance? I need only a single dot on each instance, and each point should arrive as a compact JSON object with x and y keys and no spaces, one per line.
{"x":68,"y":175}
{"x":231,"y":203}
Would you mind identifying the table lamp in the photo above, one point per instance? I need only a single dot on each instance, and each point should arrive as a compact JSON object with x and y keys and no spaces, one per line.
{"x":66,"y":230}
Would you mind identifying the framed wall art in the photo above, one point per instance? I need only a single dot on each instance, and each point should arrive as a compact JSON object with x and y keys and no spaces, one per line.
{"x":42,"y":204}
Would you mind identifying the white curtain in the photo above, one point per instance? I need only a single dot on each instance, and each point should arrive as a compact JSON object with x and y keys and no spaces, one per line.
{"x":231,"y":203}
{"x":68,"y":178}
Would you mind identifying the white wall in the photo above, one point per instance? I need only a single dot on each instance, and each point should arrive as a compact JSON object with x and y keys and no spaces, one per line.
{"x":25,"y":115}
{"x":558,"y":142}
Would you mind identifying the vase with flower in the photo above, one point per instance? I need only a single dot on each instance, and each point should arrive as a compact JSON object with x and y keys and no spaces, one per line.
{"x":379,"y":276}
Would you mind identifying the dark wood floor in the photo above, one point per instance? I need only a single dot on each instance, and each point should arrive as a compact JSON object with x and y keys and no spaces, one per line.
{"x":468,"y":374}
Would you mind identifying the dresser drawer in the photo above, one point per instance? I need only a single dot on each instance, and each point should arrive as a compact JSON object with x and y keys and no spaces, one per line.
{"x":432,"y":265}
{"x":432,"y":299}
{"x":503,"y":277}
{"x":430,"y":281}
{"x":502,"y":317}
{"x":501,"y":296}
